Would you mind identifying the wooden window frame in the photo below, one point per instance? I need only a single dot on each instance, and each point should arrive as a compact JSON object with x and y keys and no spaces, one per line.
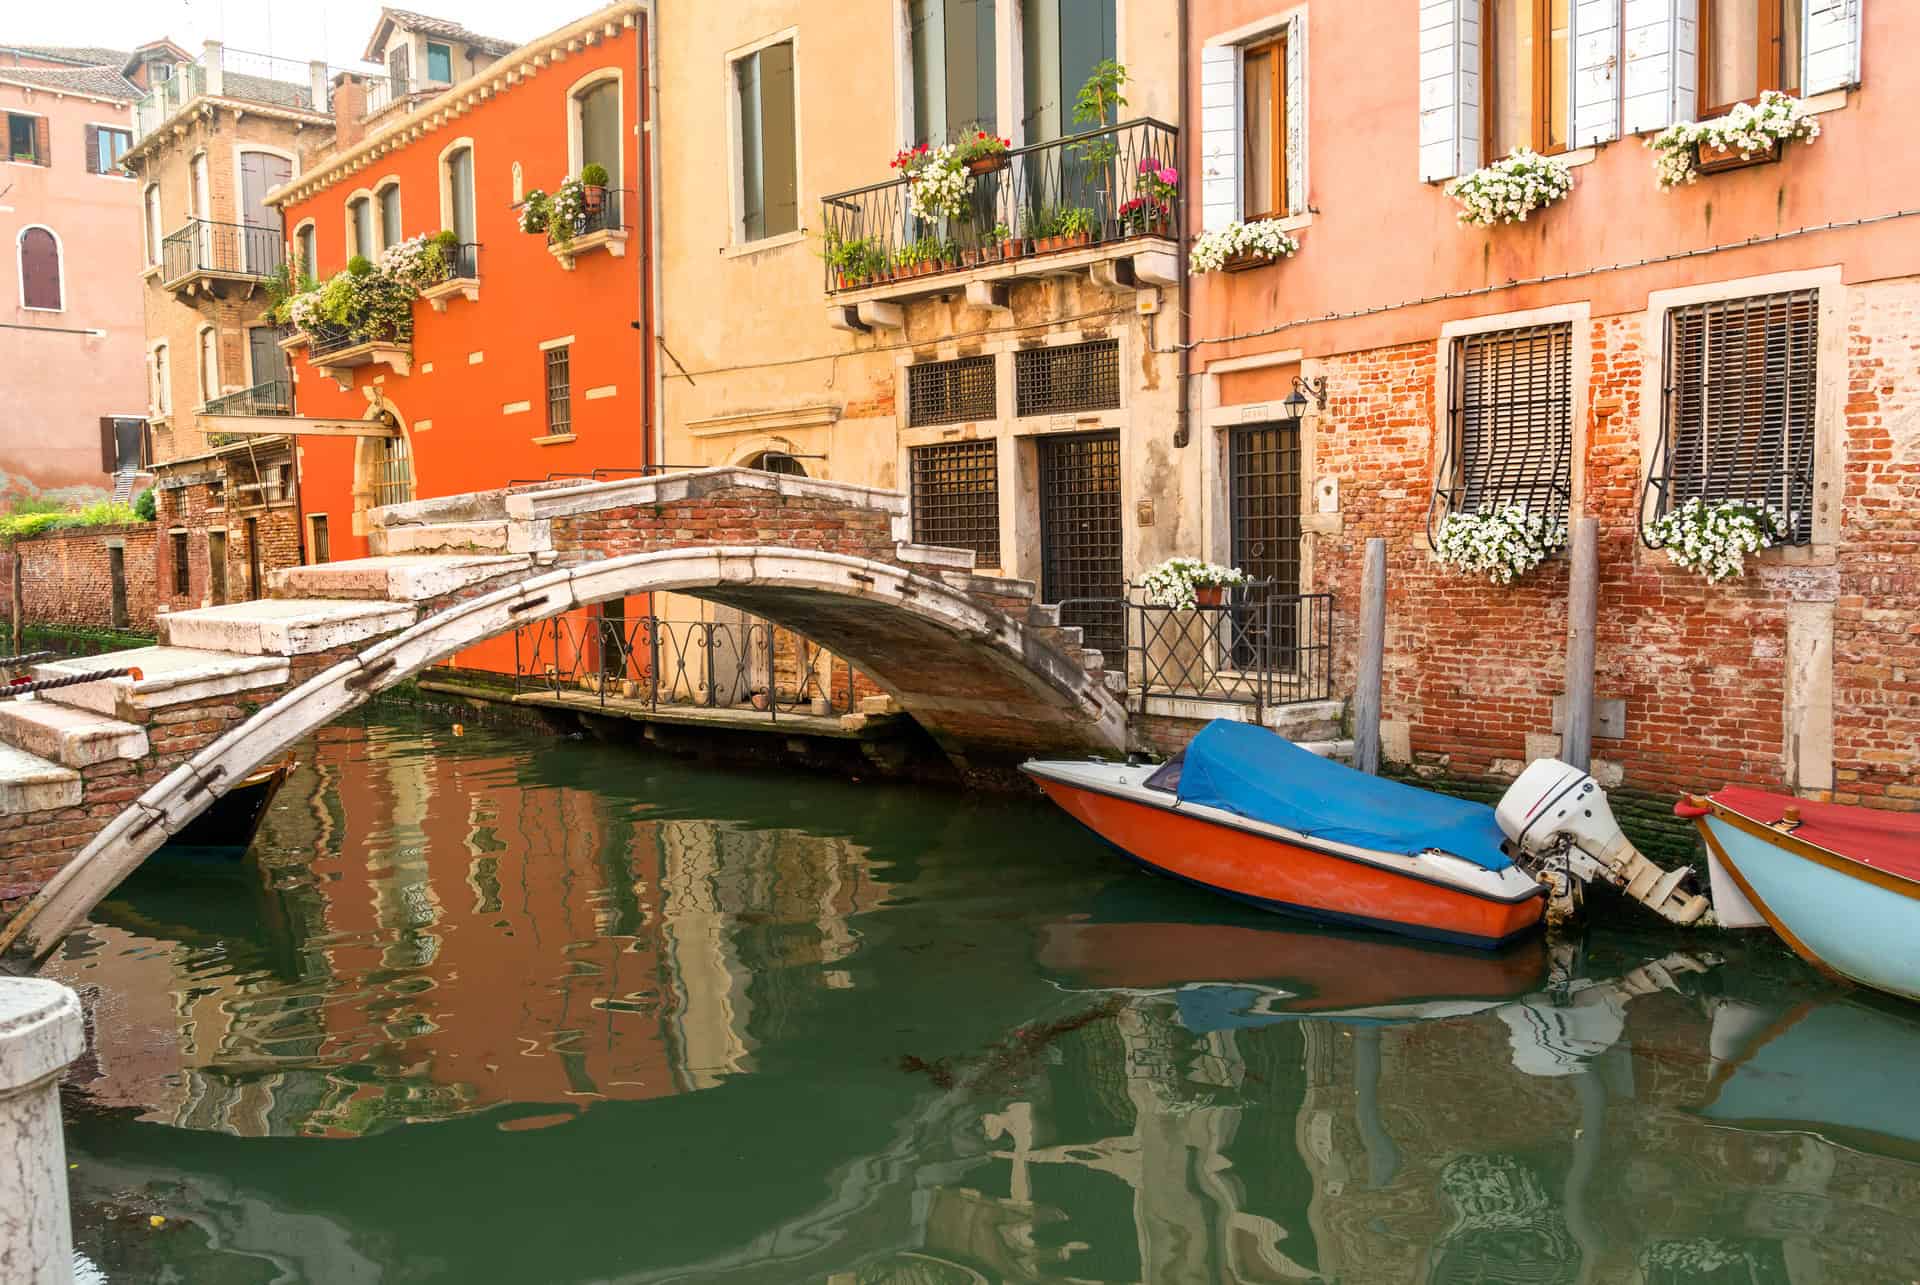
{"x":1771,"y":73}
{"x":1275,"y":50}
{"x":1542,"y":88}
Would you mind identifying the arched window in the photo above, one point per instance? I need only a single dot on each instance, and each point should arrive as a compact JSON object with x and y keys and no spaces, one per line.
{"x":41,"y":286}
{"x":458,"y":214}
{"x":777,"y":462}
{"x":389,"y":215}
{"x":360,"y":227}
{"x":596,"y":127}
{"x":306,"y":246}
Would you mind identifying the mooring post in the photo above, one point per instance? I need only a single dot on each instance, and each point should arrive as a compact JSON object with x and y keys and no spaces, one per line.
{"x":1583,"y":593}
{"x":40,"y":1033}
{"x":1373,"y":655}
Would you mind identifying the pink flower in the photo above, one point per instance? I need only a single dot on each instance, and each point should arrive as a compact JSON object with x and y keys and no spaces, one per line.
{"x":1169,"y":176}
{"x":1148,"y":165}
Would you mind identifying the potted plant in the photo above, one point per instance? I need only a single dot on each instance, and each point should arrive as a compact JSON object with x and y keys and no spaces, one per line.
{"x":536,"y":212}
{"x":446,"y":243}
{"x":1510,"y":189}
{"x":1750,"y":134}
{"x":1011,"y":246}
{"x":1043,"y":226}
{"x":1240,"y":246}
{"x":593,"y":186}
{"x":983,"y":153}
{"x":1157,"y":186}
{"x":1186,"y":583}
{"x":1076,"y":227}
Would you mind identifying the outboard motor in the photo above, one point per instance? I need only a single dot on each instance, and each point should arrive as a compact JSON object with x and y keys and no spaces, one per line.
{"x":1558,"y":823}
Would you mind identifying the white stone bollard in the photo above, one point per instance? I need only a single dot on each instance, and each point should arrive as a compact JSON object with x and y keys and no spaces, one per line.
{"x":41,"y":1031}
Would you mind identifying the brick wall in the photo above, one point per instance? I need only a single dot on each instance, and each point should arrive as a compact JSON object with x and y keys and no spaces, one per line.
{"x":66,"y":577}
{"x":204,"y":506}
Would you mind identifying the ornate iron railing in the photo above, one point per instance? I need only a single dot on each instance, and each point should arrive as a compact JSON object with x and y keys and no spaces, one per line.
{"x":1085,"y":190}
{"x":1258,"y":647}
{"x":462,"y":262}
{"x":750,"y":665}
{"x":273,"y":397}
{"x":324,"y":340}
{"x":613,"y":214}
{"x":229,"y":249}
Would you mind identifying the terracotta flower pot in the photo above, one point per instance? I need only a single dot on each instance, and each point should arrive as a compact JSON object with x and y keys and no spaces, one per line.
{"x":987,"y":164}
{"x":1209,"y":595}
{"x":1013,"y":249}
{"x":593,"y":197}
{"x":1077,"y":239}
{"x":1714,"y":160}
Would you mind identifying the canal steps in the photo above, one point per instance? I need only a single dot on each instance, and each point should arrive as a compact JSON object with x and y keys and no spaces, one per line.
{"x":169,"y":676}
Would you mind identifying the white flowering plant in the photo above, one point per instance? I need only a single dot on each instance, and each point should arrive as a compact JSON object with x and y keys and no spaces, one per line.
{"x":938,"y":185}
{"x":536,"y":211}
{"x":1501,"y":544}
{"x":1749,"y":129}
{"x":1511,"y":189}
{"x":1263,"y":239}
{"x":418,"y":262}
{"x":1715,"y":539}
{"x":1174,"y":582}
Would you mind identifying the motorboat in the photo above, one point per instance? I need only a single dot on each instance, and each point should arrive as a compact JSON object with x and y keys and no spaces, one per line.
{"x":231,"y":821}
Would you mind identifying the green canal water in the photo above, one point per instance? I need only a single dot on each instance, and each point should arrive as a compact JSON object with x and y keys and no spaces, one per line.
{"x":502,"y":1009}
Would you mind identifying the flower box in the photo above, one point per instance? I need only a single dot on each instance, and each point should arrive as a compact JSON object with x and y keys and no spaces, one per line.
{"x":1247,"y":260}
{"x":1709,"y":158}
{"x":987,"y":164}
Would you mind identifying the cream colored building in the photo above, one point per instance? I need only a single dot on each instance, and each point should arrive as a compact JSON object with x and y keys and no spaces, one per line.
{"x":1027,"y":395}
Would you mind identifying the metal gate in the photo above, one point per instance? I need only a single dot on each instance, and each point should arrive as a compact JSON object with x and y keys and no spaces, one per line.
{"x":392,"y":471}
{"x":1263,"y":486}
{"x":1080,"y":536}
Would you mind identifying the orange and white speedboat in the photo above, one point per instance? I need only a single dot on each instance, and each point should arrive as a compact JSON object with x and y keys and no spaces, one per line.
{"x":1249,"y":814}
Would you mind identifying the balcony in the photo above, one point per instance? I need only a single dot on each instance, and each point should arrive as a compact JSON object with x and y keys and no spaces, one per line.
{"x":604,"y":228}
{"x":219,"y":72}
{"x":211,"y":258}
{"x":272,"y":398}
{"x":336,"y":351}
{"x":1074,"y":205}
{"x":384,"y":93}
{"x":462,"y":278}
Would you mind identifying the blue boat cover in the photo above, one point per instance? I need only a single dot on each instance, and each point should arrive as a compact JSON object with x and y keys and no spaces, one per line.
{"x":1258,"y":774}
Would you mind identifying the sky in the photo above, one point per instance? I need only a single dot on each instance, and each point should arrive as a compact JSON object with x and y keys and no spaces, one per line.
{"x":293,"y":29}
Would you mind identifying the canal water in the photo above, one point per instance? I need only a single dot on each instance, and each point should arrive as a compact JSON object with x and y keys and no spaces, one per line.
{"x":503,"y":1009}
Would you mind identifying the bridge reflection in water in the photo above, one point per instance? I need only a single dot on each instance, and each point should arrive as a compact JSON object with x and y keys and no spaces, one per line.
{"x":485,"y":1010}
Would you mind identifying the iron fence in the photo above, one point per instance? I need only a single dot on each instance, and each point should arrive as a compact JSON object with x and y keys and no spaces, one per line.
{"x":749,"y":664}
{"x":612,"y":214}
{"x":461,"y":262}
{"x":324,"y":340}
{"x":230,"y":249}
{"x":272,"y":397}
{"x":1068,"y":194}
{"x":1258,"y":647}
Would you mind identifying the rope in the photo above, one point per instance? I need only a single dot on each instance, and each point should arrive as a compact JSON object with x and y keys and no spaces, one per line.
{"x":32,"y":657}
{"x":74,"y":680}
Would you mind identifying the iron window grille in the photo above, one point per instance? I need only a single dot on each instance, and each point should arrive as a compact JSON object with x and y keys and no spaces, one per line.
{"x":392,"y":471}
{"x":182,"y":573}
{"x":1080,"y":565}
{"x":1737,"y":412}
{"x":1263,"y":493}
{"x":559,"y":390}
{"x":952,"y":392}
{"x":1509,"y":426}
{"x":956,"y":497}
{"x":1066,"y":378}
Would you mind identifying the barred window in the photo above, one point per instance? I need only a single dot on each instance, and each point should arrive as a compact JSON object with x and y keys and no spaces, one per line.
{"x":559,"y":390}
{"x":1737,"y":423}
{"x":956,"y":497}
{"x":1510,"y":420}
{"x":951,"y":392}
{"x":1070,"y":377}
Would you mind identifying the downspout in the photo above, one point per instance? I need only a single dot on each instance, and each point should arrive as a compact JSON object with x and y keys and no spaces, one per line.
{"x":656,"y":450}
{"x":1183,"y":421}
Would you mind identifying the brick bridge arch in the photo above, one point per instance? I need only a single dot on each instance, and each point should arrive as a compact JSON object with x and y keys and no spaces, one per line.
{"x":971,"y":658}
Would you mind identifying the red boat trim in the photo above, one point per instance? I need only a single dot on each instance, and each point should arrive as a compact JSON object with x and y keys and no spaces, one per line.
{"x":1839,"y":862}
{"x":1300,"y":841}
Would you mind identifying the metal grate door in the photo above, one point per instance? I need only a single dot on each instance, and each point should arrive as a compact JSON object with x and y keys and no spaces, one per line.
{"x":392,"y":471}
{"x":1263,"y":483}
{"x":1080,"y":536}
{"x":956,"y":497}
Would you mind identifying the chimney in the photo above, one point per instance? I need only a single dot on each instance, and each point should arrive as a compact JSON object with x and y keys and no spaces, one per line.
{"x":214,"y":75}
{"x":349,"y":112}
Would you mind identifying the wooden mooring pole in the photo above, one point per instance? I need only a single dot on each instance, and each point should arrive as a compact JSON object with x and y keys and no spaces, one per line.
{"x":1373,"y":653}
{"x":19,"y":602}
{"x":1583,"y":594}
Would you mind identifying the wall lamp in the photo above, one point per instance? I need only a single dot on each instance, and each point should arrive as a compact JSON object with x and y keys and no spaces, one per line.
{"x":1296,"y":402}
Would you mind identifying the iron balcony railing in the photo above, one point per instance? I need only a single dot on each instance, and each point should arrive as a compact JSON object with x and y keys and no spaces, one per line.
{"x":246,"y":77}
{"x":384,"y":91}
{"x":612,"y":214}
{"x":273,"y":397}
{"x":1086,"y":190}
{"x":462,"y":262}
{"x":225,"y":249}
{"x":750,"y":666}
{"x":1259,"y":647}
{"x":324,"y":340}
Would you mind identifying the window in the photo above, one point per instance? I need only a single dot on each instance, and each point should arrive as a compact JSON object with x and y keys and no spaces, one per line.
{"x":1526,"y":80}
{"x":780,"y":462}
{"x":216,"y":565}
{"x":596,"y":128}
{"x":319,"y":547}
{"x":956,"y":497}
{"x":306,"y":247}
{"x":1068,"y":377}
{"x":439,"y":64}
{"x":399,"y":70}
{"x":1061,"y":42}
{"x":42,"y":285}
{"x":954,"y":77}
{"x":559,"y":390}
{"x":155,"y":233}
{"x":1264,"y":132}
{"x":949,"y":392}
{"x":1746,"y":48}
{"x":1510,"y":421}
{"x":1738,"y":420}
{"x":209,"y":364}
{"x":392,"y":469}
{"x":160,"y":71}
{"x":768,"y":158}
{"x":162,"y":392}
{"x":26,"y":138}
{"x":182,"y":573}
{"x":105,"y":147}
{"x":360,"y":227}
{"x":389,"y":215}
{"x":459,"y":214}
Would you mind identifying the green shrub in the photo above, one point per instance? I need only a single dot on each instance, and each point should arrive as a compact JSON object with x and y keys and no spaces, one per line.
{"x":26,"y":504}
{"x":359,"y":266}
{"x":446,"y":239}
{"x":145,"y":507}
{"x":594,"y":174}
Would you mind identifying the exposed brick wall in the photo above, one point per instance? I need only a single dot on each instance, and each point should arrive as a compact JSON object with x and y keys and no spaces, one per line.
{"x":731,"y":515}
{"x":66,"y":577}
{"x":201,"y":508}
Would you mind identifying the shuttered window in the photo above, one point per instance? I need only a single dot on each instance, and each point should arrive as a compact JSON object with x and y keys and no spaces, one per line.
{"x":598,"y":126}
{"x":768,"y":160}
{"x":1067,"y":378}
{"x":1746,"y":48}
{"x":40,"y":282}
{"x":955,"y":69}
{"x":389,"y":215}
{"x":105,"y":147}
{"x":1525,"y":82}
{"x":1738,"y":420}
{"x":27,"y":139}
{"x":956,"y":497}
{"x":1511,"y":423}
{"x":950,"y":392}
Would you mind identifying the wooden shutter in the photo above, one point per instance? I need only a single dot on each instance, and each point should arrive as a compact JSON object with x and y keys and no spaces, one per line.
{"x":780,"y":174}
{"x":93,"y":149}
{"x":1832,"y":43}
{"x":1296,"y":122}
{"x":1662,"y":63}
{"x":109,"y":444}
{"x":1596,"y":72}
{"x":1219,"y":136}
{"x":40,"y":269}
{"x":1449,"y":88}
{"x":42,"y":142}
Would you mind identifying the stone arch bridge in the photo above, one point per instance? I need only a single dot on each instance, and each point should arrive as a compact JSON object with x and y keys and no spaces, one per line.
{"x":95,"y":777}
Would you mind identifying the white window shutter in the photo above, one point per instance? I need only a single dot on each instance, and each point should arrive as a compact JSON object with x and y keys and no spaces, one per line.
{"x":1661,"y":63}
{"x":1296,"y":123}
{"x":1449,"y":88}
{"x":1219,"y":136}
{"x":1596,"y":74}
{"x":1832,"y":45}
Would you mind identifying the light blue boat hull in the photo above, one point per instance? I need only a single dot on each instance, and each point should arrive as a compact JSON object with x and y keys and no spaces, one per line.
{"x":1855,"y":928}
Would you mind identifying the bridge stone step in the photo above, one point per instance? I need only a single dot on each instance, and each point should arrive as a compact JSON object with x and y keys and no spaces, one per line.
{"x":936,"y":555}
{"x":498,"y":536}
{"x":28,"y":783}
{"x":394,"y":578}
{"x":1065,"y":637}
{"x":1043,"y":614}
{"x":168,"y":676}
{"x":475,"y":506}
{"x":68,"y":736}
{"x":284,"y":626}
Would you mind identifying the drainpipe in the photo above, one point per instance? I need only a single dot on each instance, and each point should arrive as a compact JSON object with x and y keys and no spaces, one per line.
{"x":41,"y":1031}
{"x":650,"y":332}
{"x":1183,"y":420}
